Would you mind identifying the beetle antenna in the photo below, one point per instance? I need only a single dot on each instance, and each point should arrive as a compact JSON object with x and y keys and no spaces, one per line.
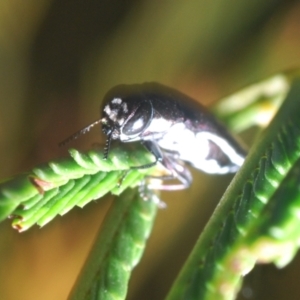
{"x":107,"y":147}
{"x":77,"y":134}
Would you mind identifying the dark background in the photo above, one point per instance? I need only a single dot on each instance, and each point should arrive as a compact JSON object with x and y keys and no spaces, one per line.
{"x":57,"y":60}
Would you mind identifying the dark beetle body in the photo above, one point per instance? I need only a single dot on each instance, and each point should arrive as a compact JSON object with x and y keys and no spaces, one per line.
{"x":173,"y":127}
{"x":171,"y":123}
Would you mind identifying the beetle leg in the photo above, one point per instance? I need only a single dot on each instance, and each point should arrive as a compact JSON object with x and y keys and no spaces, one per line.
{"x":178,"y":171}
{"x":155,"y":150}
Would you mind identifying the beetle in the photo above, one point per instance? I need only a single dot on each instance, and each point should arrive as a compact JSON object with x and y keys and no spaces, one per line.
{"x":176,"y":129}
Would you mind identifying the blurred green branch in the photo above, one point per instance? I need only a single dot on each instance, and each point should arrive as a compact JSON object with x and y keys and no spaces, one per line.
{"x":256,"y":220}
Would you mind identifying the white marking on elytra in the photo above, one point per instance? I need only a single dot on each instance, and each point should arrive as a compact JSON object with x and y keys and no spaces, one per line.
{"x":195,"y":148}
{"x":226,"y":148}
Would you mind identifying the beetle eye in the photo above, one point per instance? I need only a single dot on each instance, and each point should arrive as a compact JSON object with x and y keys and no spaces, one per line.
{"x":140,"y":119}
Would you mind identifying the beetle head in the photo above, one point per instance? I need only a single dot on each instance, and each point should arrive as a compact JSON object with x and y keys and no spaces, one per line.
{"x":126,"y":114}
{"x":125,"y":119}
{"x":115,"y":113}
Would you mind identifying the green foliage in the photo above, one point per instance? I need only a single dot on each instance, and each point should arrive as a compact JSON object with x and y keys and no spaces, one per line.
{"x":252,"y":223}
{"x":118,"y":248}
{"x":56,"y":187}
{"x":257,"y":219}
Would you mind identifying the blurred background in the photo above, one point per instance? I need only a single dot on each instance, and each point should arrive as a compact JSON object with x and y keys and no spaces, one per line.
{"x":57,"y":60}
